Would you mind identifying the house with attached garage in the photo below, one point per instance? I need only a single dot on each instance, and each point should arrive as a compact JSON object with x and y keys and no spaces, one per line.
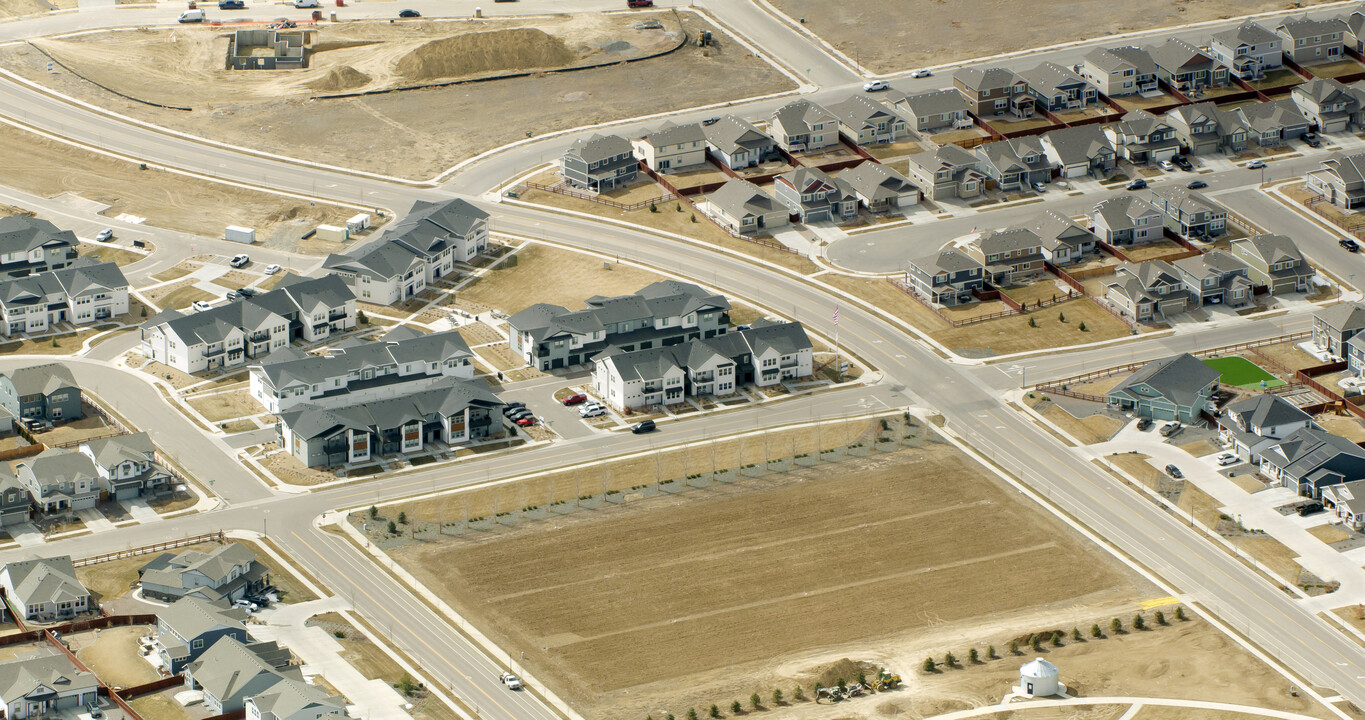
{"x":947,"y":277}
{"x":191,"y":625}
{"x":42,"y":392}
{"x":1311,"y":459}
{"x":45,"y":683}
{"x":1064,"y":241}
{"x":1253,"y":424}
{"x":230,"y":671}
{"x":1173,"y":388}
{"x":668,"y":312}
{"x":1015,"y":164}
{"x":16,"y":504}
{"x":1355,"y":29}
{"x":1340,"y":180}
{"x":1335,"y":325}
{"x":45,"y":590}
{"x":1355,"y":355}
{"x":1215,"y":278}
{"x":1141,"y":137}
{"x":994,"y":91}
{"x":1189,"y":212}
{"x":864,"y":121}
{"x":601,"y":163}
{"x":295,"y":700}
{"x":82,"y":293}
{"x":744,"y":208}
{"x":1126,"y":220}
{"x":1204,"y":128}
{"x":1011,"y":257}
{"x":127,"y":466}
{"x":31,"y":245}
{"x":1274,"y":262}
{"x":933,"y":111}
{"x":672,"y":147}
{"x":419,"y":249}
{"x":1308,"y":41}
{"x":1326,"y":103}
{"x":226,"y":573}
{"x":1120,"y":71}
{"x":736,"y":143}
{"x":879,"y":188}
{"x":813,"y":196}
{"x":1347,"y":500}
{"x":946,"y":173}
{"x":803,"y":126}
{"x":1186,"y":67}
{"x":60,"y":480}
{"x":1080,"y":151}
{"x":1147,"y":291}
{"x":1273,"y":122}
{"x":1249,"y":50}
{"x":1058,"y":88}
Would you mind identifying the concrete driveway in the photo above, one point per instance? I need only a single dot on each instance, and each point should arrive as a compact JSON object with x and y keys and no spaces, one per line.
{"x":539,"y":396}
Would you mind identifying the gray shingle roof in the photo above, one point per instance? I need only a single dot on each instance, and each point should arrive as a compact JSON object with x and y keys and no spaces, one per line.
{"x":1176,"y":55}
{"x":1179,"y":378}
{"x":739,"y":197}
{"x":42,"y":379}
{"x":1265,"y":411}
{"x":599,"y":147}
{"x":1321,"y":90}
{"x":949,"y":260}
{"x":1119,"y":212}
{"x":876,"y":181}
{"x":981,"y":79}
{"x":192,"y":616}
{"x":447,"y":397}
{"x":79,"y":278}
{"x":45,"y":580}
{"x":228,"y":667}
{"x":50,"y":669}
{"x":859,"y":110}
{"x":1079,"y":144}
{"x":1346,"y":317}
{"x":1248,"y":33}
{"x":1049,"y":77}
{"x":1306,"y":27}
{"x":291,"y":696}
{"x":216,"y":565}
{"x":311,"y":369}
{"x":111,"y":451}
{"x":1272,"y":248}
{"x":797,"y":116}
{"x":19,"y":234}
{"x":731,"y":134}
{"x":543,"y":320}
{"x":671,"y":134}
{"x":1005,"y":241}
{"x":933,"y":102}
{"x":1273,"y":115}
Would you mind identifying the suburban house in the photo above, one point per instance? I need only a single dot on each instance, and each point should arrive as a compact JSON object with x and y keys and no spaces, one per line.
{"x":1274,"y":262}
{"x":42,"y":392}
{"x":1204,"y":128}
{"x":1064,"y":241}
{"x":1147,"y":291}
{"x":1347,"y":500}
{"x":1120,"y":71}
{"x":45,"y":590}
{"x":744,"y":208}
{"x":1189,"y":212}
{"x":668,"y":312}
{"x":1058,"y":89}
{"x":813,"y":196}
{"x":1308,"y":41}
{"x":226,"y":573}
{"x":295,"y":700}
{"x":879,"y":188}
{"x":1249,"y":50}
{"x":1326,"y":103}
{"x":230,"y":671}
{"x":948,"y":172}
{"x":32,"y":245}
{"x":16,"y":504}
{"x":1011,"y":257}
{"x":1335,"y":325}
{"x":1355,"y":29}
{"x":1080,"y":151}
{"x":351,"y":372}
{"x":1270,"y":123}
{"x":1311,"y":459}
{"x":451,"y":411}
{"x":416,"y":251}
{"x":672,"y":147}
{"x":864,"y":121}
{"x":1215,"y":278}
{"x":601,"y":163}
{"x":45,"y":684}
{"x":1173,"y":388}
{"x":766,"y":354}
{"x":803,"y":126}
{"x":59,"y":479}
{"x":1127,"y":220}
{"x":1141,"y":137}
{"x":126,"y":465}
{"x":736,"y":143}
{"x":1341,"y":180}
{"x":1015,"y":164}
{"x":1186,"y":67}
{"x":933,"y":111}
{"x":1253,"y":424}
{"x":946,"y":277}
{"x":1355,"y":355}
{"x":191,"y":625}
{"x":994,"y":91}
{"x":81,"y":293}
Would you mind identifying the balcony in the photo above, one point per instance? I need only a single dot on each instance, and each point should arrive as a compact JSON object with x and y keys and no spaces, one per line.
{"x":318,"y":328}
{"x":336,"y":314}
{"x":259,"y":337}
{"x":214,"y":352}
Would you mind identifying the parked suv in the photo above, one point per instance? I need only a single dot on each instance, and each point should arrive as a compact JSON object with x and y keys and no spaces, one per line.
{"x":643,"y":427}
{"x":231,"y":5}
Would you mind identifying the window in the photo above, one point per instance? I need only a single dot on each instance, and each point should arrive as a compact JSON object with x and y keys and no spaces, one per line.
{"x":197,"y":644}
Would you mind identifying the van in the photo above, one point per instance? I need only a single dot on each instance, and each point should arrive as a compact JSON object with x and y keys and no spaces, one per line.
{"x":306,"y":3}
{"x":192,"y":16}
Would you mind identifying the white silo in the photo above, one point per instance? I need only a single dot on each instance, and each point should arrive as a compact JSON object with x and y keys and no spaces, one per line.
{"x":1038,"y":678}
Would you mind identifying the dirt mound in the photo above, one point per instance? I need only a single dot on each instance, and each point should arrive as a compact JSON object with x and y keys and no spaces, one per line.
{"x":485,"y":52}
{"x":319,"y":47}
{"x":342,"y":77}
{"x":846,"y":670}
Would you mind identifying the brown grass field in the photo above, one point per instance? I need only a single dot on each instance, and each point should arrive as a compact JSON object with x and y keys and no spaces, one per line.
{"x":541,"y":273}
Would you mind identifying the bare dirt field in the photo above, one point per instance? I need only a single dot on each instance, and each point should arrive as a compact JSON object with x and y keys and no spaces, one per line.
{"x":541,"y":273}
{"x":709,"y":594}
{"x":893,"y":35}
{"x":399,"y":133}
{"x":113,"y":655}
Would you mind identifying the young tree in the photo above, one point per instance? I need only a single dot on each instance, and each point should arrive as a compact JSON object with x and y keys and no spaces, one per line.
{"x":1179,"y":613}
{"x":715,"y":711}
{"x":1014,"y":647}
{"x":1037,"y":642}
{"x":736,"y":708}
{"x":973,"y":656}
{"x":929,"y":664}
{"x":407,"y":685}
{"x":393,"y":529}
{"x":1095,"y":631}
{"x":1061,"y":316}
{"x":1160,"y":618}
{"x":1083,"y":328}
{"x":653,"y":208}
{"x":1116,"y":625}
{"x":950,"y":659}
{"x":1076,"y":634}
{"x":374,"y":512}
{"x":777,"y":696}
{"x":1138,"y":622}
{"x":862,"y":678}
{"x":798,"y":694}
{"x":361,"y":317}
{"x":755,"y":701}
{"x":669,"y":716}
{"x":1057,"y":639}
{"x":1032,"y":322}
{"x":990,"y":653}
{"x":842,"y":684}
{"x":402,"y":518}
{"x":691,"y":714}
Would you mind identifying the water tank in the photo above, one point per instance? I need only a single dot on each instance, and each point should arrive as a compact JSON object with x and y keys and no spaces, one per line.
{"x":1038,"y":678}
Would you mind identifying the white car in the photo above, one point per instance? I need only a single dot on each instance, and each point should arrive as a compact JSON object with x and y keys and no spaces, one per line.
{"x":271,"y":269}
{"x":1166,"y":165}
{"x":105,"y":235}
{"x":1255,"y":165}
{"x":1228,"y":459}
{"x":588,"y":411}
{"x":305,"y":3}
{"x":920,"y":74}
{"x":200,"y":306}
{"x":511,"y":681}
{"x":876,"y":85}
{"x":239,"y":260}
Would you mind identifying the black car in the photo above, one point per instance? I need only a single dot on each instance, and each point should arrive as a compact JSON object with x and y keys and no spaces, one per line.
{"x":1174,"y":472}
{"x":642,"y":427}
{"x":1309,"y":508}
{"x":513,"y":407}
{"x":1349,"y":244}
{"x":710,"y":121}
{"x":1137,"y":184}
{"x":231,"y":5}
{"x":519,"y":414}
{"x":1312,"y":141}
{"x":1182,"y":162}
{"x":1196,"y":184}
{"x":247,"y":292}
{"x":1144,"y":424}
{"x":409,"y":14}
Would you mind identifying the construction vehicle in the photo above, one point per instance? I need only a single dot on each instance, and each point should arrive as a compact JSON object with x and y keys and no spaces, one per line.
{"x":854,"y":690}
{"x":704,"y":38}
{"x":833,"y":694}
{"x":885,"y":680}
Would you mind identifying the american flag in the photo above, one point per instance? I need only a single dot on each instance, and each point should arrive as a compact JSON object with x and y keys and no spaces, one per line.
{"x":836,"y":314}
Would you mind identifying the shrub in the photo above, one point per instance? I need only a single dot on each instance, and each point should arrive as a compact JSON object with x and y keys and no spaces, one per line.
{"x":973,"y":656}
{"x":374,"y":511}
{"x":1076,"y":634}
{"x":694,"y":218}
{"x":777,"y":696}
{"x":393,"y":529}
{"x":361,"y":317}
{"x":990,"y":653}
{"x":1179,"y":613}
{"x":1160,"y":618}
{"x":1032,"y":322}
{"x":1095,"y":631}
{"x":654,"y":208}
{"x":406,"y":684}
{"x":798,"y":693}
{"x":1139,"y":623}
{"x":1116,"y":625}
{"x":1061,"y":316}
{"x":691,"y":714}
{"x":755,"y":701}
{"x":950,"y":660}
{"x":1083,"y":328}
{"x":715,"y":711}
{"x":402,"y":518}
{"x":1057,"y":639}
{"x":929,"y":665}
{"x":1014,"y":647}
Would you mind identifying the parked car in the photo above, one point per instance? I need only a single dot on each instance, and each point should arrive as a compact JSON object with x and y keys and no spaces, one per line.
{"x":920,"y":73}
{"x":247,"y":292}
{"x":576,"y":399}
{"x":1174,"y":472}
{"x":232,"y":295}
{"x":191,"y":16}
{"x":1309,"y":508}
{"x":200,"y":306}
{"x":33,"y":425}
{"x":1137,"y":184}
{"x":1255,"y":165}
{"x":1166,"y":165}
{"x":588,"y":411}
{"x":409,"y":13}
{"x":271,"y":269}
{"x":1196,"y":184}
{"x":643,"y":427}
{"x":1182,"y":162}
{"x":512,"y":407}
{"x":1144,"y":424}
{"x":639,"y":3}
{"x":1349,"y":244}
{"x":511,"y":681}
{"x":1311,"y":140}
{"x":239,"y":260}
{"x":94,"y":710}
{"x":306,"y":3}
{"x":519,"y":413}
{"x":231,"y":5}
{"x":526,"y":420}
{"x":1170,"y":429}
{"x":105,"y":235}
{"x":710,"y":121}
{"x":1228,"y":459}
{"x":876,"y":86}
{"x":1040,"y":187}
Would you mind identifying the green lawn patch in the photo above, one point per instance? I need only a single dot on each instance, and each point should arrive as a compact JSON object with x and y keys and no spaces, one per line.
{"x":1241,"y":372}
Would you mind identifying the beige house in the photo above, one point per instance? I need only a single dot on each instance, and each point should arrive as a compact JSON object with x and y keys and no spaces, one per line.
{"x":672,"y":147}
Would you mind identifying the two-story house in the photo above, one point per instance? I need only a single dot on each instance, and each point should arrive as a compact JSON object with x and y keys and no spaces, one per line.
{"x":736,"y":143}
{"x":126,"y":465}
{"x":230,"y":671}
{"x":994,"y":91}
{"x":803,"y":126}
{"x":1326,"y":103}
{"x":1173,"y":388}
{"x":1011,"y":257}
{"x":1186,"y":67}
{"x":1347,"y":501}
{"x":1147,"y":291}
{"x":1253,"y":424}
{"x":813,"y":196}
{"x":16,"y":504}
{"x":1080,"y":151}
{"x":600,"y":163}
{"x":44,"y":590}
{"x":947,"y":277}
{"x":1308,"y":41}
{"x":1120,"y":71}
{"x":947,"y":172}
{"x":191,"y":625}
{"x":1141,"y":137}
{"x":1058,"y":88}
{"x":226,"y":573}
{"x":879,"y":188}
{"x":1274,"y":262}
{"x":1340,"y":180}
{"x":1336,"y":325}
{"x":1064,"y":241}
{"x":1249,"y":50}
{"x":42,"y":392}
{"x":864,"y":121}
{"x":933,"y":111}
{"x":744,"y":208}
{"x":1204,"y":128}
{"x":60,"y":480}
{"x":1273,"y":122}
{"x":82,"y":293}
{"x":31,"y":245}
{"x":1189,"y":212}
{"x":1310,"y":460}
{"x":1015,"y":164}
{"x":1126,"y":220}
{"x":45,"y":684}
{"x":1215,"y":278}
{"x":672,"y":147}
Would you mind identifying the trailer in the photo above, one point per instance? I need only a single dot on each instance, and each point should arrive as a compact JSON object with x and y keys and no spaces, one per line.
{"x":333,"y":233}
{"x":237,"y":233}
{"x":358,"y":223}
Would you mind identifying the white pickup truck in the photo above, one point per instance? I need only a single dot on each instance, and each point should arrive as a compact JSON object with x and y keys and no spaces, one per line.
{"x":511,"y":681}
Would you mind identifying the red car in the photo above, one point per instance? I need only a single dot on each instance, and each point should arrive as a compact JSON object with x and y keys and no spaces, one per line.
{"x":526,"y":421}
{"x":575,"y":399}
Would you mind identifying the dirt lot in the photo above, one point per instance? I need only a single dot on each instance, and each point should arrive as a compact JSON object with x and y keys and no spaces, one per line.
{"x":46,"y":167}
{"x":826,"y":559}
{"x":893,"y":35}
{"x":227,"y":406}
{"x":113,"y":655}
{"x":541,"y":273}
{"x":396,"y":133}
{"x":1089,"y":430}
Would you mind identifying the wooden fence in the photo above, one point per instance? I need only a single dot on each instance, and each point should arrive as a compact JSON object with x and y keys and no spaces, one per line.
{"x":1210,"y":352}
{"x":155,"y":547}
{"x":1067,"y":278}
{"x":562,"y":189}
{"x":682,"y":197}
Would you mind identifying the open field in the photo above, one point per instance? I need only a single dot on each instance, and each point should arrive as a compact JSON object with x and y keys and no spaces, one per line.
{"x":110,"y":253}
{"x":113,"y":655}
{"x":830,"y":558}
{"x":398,"y":133}
{"x":1242,"y":372}
{"x":159,"y":706}
{"x":64,"y":344}
{"x":177,"y":295}
{"x":1088,"y":430}
{"x":113,"y":579}
{"x":541,"y":273}
{"x":226,"y":406}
